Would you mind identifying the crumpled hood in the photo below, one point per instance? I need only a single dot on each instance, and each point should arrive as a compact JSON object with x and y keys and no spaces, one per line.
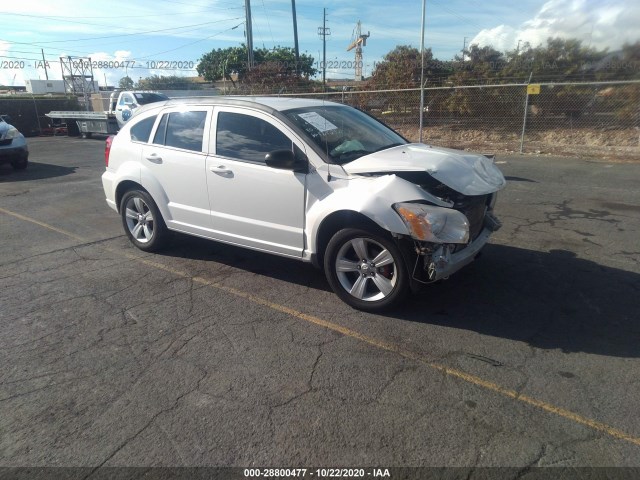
{"x":467,"y":173}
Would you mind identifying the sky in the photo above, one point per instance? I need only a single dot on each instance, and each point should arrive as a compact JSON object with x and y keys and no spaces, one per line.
{"x":146,"y":36}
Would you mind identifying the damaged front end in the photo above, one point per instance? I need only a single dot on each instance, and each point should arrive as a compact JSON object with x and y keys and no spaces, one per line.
{"x":446,"y":243}
{"x":443,"y":238}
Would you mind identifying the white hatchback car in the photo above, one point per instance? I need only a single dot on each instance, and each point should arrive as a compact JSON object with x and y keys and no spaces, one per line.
{"x":307,"y":179}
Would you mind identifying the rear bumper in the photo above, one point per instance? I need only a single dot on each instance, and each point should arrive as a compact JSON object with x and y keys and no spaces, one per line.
{"x":108,"y":184}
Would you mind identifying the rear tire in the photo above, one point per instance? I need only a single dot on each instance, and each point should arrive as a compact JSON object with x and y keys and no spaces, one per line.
{"x":142,"y":221}
{"x":366,"y":269}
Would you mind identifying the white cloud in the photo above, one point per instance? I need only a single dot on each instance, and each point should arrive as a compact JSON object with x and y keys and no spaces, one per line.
{"x":10,"y":75}
{"x":599,"y":24}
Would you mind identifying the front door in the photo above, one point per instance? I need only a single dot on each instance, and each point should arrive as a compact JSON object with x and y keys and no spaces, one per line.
{"x":252,"y":204}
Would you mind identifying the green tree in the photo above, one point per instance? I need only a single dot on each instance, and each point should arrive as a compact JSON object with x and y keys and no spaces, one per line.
{"x":224,"y":63}
{"x":477,"y":65}
{"x":271,"y":66}
{"x":169,"y":82}
{"x":401,"y":68}
{"x":126,"y":83}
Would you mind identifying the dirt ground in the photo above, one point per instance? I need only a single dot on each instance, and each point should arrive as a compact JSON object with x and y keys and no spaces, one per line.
{"x":614,"y":145}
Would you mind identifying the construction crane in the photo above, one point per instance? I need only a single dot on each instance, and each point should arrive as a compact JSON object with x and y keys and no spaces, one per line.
{"x":359,"y":41}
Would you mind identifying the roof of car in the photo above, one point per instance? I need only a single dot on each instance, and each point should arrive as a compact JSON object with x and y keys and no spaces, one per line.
{"x":274,"y":103}
{"x":267,"y":104}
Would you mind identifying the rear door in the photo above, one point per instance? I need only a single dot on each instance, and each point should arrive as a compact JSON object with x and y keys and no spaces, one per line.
{"x":173,"y":167}
{"x":252,"y":204}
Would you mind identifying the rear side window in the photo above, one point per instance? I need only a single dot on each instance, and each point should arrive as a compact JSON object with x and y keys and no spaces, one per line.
{"x":141,"y":131}
{"x":181,"y":130}
{"x":247,"y":138}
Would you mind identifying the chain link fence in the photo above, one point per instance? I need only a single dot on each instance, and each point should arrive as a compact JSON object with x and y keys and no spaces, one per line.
{"x":597,"y":119}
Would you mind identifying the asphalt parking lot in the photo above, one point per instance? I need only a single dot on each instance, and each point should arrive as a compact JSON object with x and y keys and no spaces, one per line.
{"x":207,"y":354}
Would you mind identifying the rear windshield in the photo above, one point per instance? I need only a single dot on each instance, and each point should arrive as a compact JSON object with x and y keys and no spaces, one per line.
{"x":344,"y":133}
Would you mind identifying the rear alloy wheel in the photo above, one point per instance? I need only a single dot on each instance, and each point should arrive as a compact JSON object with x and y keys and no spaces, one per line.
{"x":142,"y":221}
{"x":20,"y":163}
{"x":365,"y":269}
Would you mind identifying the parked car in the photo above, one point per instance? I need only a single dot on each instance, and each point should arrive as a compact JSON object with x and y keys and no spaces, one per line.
{"x":307,"y":179}
{"x":13,"y":146}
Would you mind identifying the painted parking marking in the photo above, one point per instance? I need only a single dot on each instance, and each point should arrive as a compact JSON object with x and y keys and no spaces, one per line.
{"x":380,"y":344}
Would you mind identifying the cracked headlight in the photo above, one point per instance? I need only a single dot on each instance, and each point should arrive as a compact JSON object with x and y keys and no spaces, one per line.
{"x":434,"y":224}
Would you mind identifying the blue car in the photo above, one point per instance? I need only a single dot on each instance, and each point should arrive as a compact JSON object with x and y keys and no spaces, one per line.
{"x":13,"y":146}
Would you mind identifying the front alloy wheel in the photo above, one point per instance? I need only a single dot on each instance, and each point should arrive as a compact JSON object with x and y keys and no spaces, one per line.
{"x":142,"y":220}
{"x":365,"y":269}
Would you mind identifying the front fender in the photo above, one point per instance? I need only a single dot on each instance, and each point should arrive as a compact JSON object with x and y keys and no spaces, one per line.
{"x":372,"y":197}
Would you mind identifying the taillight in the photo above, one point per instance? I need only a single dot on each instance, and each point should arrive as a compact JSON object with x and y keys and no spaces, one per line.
{"x":107,"y":149}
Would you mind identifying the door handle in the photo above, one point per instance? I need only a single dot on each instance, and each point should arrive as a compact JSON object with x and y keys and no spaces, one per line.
{"x":221,"y":169}
{"x":154,"y":157}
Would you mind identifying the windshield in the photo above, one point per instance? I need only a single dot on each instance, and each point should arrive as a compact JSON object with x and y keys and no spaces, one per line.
{"x":144,"y":98}
{"x":344,"y":133}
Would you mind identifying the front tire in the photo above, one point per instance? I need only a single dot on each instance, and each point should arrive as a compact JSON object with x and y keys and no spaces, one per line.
{"x":366,"y":269}
{"x":142,"y":221}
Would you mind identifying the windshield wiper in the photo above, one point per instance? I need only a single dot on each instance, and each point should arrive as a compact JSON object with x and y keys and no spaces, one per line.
{"x":359,"y":153}
{"x":387,"y":146}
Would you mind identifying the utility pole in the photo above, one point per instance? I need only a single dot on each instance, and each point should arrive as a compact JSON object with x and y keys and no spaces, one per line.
{"x":424,"y":8}
{"x":44,"y":63}
{"x":295,"y":35}
{"x":323,"y":31}
{"x":464,"y":48}
{"x":247,"y":8}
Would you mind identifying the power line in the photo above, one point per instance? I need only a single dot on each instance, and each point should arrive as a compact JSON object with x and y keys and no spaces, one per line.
{"x":65,"y":18}
{"x":268,"y":23}
{"x":190,"y":4}
{"x":130,"y":34}
{"x":462,"y":17}
{"x":126,"y":59}
{"x":193,"y":43}
{"x":118,"y":42}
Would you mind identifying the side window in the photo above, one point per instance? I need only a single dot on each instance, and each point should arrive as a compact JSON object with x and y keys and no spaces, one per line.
{"x":181,"y":130}
{"x":125,"y":100}
{"x":140,"y":131}
{"x":247,"y":138}
{"x":158,"y":139}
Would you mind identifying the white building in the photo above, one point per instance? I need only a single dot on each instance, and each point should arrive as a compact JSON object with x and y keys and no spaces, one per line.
{"x":39,"y":87}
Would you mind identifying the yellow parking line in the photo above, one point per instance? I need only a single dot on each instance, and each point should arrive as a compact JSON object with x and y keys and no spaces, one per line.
{"x":45,"y":225}
{"x":390,"y":347}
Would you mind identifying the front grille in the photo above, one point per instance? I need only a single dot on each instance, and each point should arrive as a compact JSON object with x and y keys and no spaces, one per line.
{"x":475,"y":211}
{"x":4,"y":143}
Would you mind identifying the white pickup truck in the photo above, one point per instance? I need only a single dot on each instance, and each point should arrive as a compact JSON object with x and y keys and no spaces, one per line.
{"x":121,"y":107}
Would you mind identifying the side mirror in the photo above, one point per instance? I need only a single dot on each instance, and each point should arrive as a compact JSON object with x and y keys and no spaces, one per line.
{"x":286,"y":160}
